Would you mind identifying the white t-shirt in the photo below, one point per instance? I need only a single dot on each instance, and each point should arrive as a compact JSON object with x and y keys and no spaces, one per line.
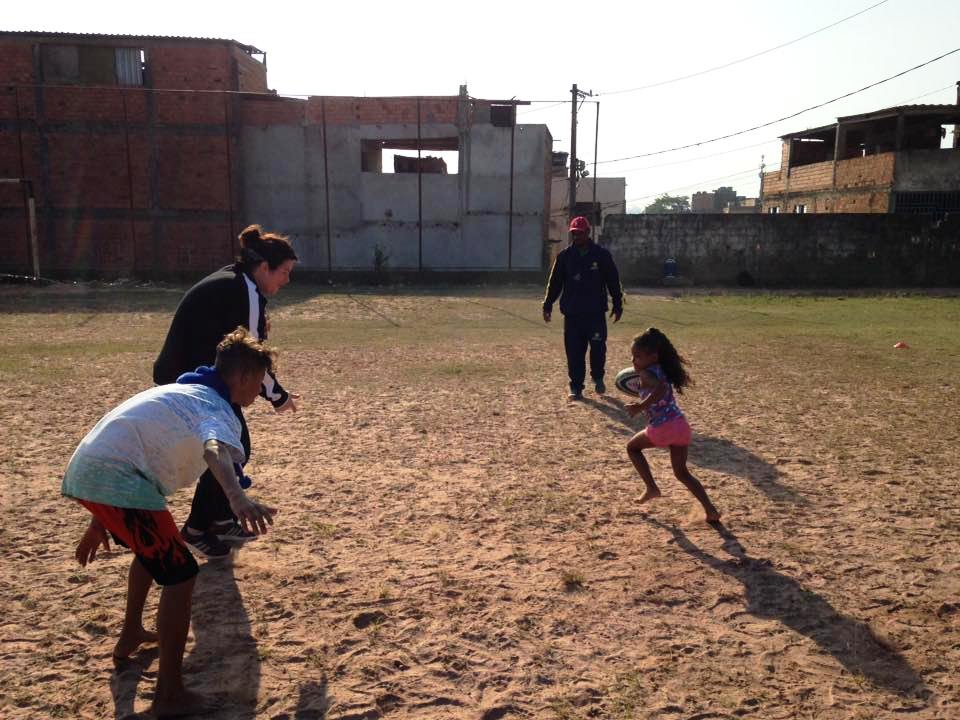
{"x":151,"y":445}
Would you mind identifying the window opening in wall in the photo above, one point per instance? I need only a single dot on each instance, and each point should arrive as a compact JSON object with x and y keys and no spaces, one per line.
{"x":774,"y":210}
{"x":503,"y":115}
{"x":800,"y":209}
{"x":946,"y":137}
{"x":91,"y":65}
{"x":438,"y":156}
{"x":810,"y":150}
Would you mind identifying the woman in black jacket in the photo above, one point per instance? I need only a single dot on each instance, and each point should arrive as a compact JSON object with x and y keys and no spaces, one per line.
{"x":232,"y":296}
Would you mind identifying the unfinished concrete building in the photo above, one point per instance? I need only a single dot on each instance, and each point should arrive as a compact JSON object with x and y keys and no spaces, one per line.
{"x":886,"y":161}
{"x":148,"y":155}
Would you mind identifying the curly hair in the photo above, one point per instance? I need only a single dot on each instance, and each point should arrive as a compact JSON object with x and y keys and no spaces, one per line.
{"x":240,"y":352}
{"x":673,"y":364}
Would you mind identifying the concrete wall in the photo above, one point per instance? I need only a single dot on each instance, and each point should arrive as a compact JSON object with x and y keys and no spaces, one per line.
{"x":927,"y":171}
{"x":374,"y":216}
{"x":788,"y":250}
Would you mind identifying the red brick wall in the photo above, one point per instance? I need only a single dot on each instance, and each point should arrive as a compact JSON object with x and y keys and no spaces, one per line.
{"x":174,"y":108}
{"x":862,"y":202}
{"x":16,"y":63}
{"x":191,"y":245}
{"x":106,"y":179}
{"x":185,"y":67}
{"x":192,"y":173}
{"x":774,"y":182}
{"x":273,"y":110}
{"x":818,"y":176}
{"x":382,"y":111}
{"x":869,"y":171}
{"x":251,"y":74}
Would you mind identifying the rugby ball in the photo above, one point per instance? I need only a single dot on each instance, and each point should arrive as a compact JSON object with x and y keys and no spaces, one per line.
{"x":628,"y":381}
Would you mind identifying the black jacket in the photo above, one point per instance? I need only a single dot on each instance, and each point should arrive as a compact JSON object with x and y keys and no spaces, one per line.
{"x":209,"y":310}
{"x":584,"y":280}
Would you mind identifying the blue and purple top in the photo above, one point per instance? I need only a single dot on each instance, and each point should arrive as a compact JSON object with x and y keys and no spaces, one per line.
{"x":666,"y":409}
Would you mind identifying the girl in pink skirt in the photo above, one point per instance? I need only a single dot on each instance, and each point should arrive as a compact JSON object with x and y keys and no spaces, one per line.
{"x":661,"y":371}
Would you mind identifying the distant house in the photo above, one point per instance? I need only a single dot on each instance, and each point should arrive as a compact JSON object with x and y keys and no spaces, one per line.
{"x":886,"y":161}
{"x":596,"y":199}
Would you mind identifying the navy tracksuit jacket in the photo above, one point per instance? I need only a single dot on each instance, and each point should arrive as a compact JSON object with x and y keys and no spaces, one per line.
{"x":582,"y":279}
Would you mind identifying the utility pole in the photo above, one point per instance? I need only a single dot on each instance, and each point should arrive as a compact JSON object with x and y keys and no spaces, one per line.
{"x":760,"y":199}
{"x":575,"y":96}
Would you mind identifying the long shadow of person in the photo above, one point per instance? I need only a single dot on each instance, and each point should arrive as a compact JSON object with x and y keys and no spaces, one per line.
{"x":710,"y":453}
{"x":728,"y":457}
{"x":313,"y":702}
{"x":125,"y":679}
{"x":770,"y":594}
{"x":224,"y":661}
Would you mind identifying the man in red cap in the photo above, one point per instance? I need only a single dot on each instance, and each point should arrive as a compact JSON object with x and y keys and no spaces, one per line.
{"x":581,"y":277}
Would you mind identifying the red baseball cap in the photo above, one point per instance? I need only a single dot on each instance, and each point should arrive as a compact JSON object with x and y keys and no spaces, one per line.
{"x":580,"y":224}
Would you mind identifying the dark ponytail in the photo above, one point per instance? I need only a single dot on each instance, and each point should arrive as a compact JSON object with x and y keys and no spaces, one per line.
{"x":256,"y":247}
{"x":673,"y":364}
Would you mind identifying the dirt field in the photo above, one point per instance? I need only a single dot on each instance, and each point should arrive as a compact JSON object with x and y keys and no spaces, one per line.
{"x":457,"y":540}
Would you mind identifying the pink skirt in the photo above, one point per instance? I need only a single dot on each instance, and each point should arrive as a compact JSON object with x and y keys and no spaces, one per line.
{"x":672,"y":432}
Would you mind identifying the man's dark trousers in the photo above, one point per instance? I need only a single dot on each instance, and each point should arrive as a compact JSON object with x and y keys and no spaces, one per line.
{"x":579,"y":332}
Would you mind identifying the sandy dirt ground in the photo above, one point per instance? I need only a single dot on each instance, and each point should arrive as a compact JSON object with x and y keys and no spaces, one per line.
{"x":457,"y":540}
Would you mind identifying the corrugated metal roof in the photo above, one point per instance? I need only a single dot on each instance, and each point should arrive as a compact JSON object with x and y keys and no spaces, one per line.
{"x":92,"y":36}
{"x":905,"y":110}
{"x":947,"y":112}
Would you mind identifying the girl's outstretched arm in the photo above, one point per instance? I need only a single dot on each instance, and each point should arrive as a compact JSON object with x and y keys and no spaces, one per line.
{"x":655,"y":390}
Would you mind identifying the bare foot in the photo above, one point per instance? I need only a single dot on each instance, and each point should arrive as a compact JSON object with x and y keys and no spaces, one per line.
{"x":183,"y":703}
{"x":126,"y":645}
{"x":649,"y":495}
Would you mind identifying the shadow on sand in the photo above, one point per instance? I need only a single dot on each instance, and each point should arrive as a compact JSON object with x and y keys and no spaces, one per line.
{"x":125,"y":680}
{"x":223,"y":664}
{"x":708,"y":452}
{"x":224,"y":661}
{"x":773,"y":595}
{"x":314,"y":702}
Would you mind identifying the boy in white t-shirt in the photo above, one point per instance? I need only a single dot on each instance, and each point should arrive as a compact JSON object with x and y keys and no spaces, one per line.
{"x":154,"y":443}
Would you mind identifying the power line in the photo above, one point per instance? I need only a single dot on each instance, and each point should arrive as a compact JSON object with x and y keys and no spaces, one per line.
{"x":741,"y":60}
{"x":785,"y":117}
{"x":765,"y":142}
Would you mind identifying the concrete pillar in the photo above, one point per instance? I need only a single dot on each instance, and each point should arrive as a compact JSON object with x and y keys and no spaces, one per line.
{"x":956,"y":128}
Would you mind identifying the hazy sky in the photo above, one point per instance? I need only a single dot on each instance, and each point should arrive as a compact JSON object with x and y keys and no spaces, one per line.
{"x":537,"y":50}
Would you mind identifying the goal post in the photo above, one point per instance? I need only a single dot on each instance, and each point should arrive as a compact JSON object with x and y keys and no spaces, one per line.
{"x":30,"y":204}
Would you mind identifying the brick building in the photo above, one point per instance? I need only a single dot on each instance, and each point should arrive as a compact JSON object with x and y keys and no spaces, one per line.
{"x":713,"y":202}
{"x":147,"y":155}
{"x":886,"y":161}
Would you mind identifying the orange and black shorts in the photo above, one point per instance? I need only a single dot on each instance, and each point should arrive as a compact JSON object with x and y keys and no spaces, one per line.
{"x":153,"y":537}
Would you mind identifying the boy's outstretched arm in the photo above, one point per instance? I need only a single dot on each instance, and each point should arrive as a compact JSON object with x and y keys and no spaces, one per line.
{"x":253,"y":516}
{"x":94,"y":536}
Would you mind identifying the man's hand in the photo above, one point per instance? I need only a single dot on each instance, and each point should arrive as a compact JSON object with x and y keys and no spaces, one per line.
{"x":546,"y":315}
{"x":616,"y":314}
{"x":92,"y":539}
{"x":253,"y":516}
{"x":289,"y":404}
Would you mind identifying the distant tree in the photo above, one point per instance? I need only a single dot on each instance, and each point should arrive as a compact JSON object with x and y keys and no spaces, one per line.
{"x":669,"y":204}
